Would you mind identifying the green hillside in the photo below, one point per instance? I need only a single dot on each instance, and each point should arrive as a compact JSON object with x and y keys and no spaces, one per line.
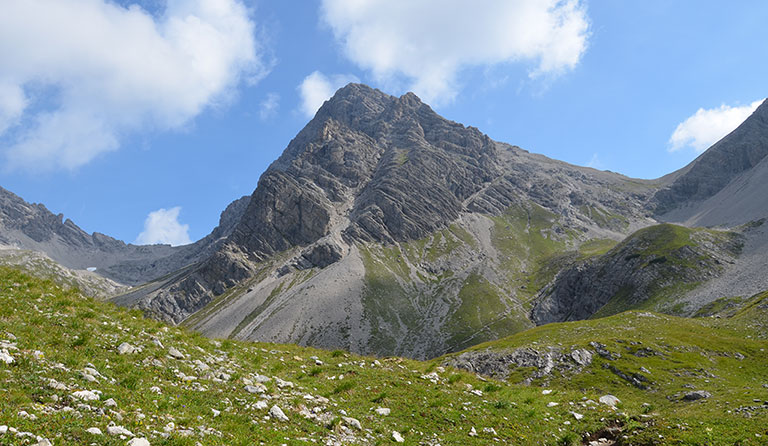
{"x":63,"y":374}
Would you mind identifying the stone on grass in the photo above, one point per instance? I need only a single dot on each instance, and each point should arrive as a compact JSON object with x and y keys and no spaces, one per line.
{"x":258,"y":388}
{"x":6,"y":357}
{"x":397,"y":437}
{"x":125,"y":349}
{"x":174,"y":353}
{"x":119,"y":430}
{"x":696,"y":395}
{"x":86,"y":395}
{"x":138,"y":442}
{"x":382,"y":411}
{"x":94,"y":431}
{"x":352,"y":422}
{"x":277,"y":413}
{"x":609,"y":400}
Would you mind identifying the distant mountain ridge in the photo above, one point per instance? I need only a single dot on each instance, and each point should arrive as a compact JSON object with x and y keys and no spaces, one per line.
{"x":34,"y":227}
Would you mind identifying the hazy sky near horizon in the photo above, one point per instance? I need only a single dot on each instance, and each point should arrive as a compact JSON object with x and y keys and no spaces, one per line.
{"x":143,"y":119}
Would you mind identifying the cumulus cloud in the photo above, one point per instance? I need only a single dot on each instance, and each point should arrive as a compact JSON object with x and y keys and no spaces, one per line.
{"x":317,"y":88}
{"x":269,"y":106}
{"x":162,"y":227}
{"x":428,"y":42}
{"x":77,"y":75}
{"x":707,"y":126}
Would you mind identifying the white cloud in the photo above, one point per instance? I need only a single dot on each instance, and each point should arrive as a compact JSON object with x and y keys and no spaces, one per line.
{"x":317,"y":88}
{"x":269,"y":106}
{"x":162,"y":226}
{"x":706,"y":127}
{"x":77,"y":75}
{"x":595,"y":162}
{"x":429,"y":41}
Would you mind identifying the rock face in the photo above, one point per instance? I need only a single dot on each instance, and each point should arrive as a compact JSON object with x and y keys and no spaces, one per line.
{"x":33,"y":227}
{"x":351,"y":235}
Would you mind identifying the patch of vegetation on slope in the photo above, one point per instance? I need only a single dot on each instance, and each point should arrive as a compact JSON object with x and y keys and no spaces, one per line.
{"x":483,"y":314}
{"x":650,"y":269}
{"x":527,"y":238}
{"x":657,"y":365}
{"x":76,"y":371}
{"x":41,"y":266}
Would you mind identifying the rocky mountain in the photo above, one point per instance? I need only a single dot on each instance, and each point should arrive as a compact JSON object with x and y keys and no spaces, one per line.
{"x":385,"y":228}
{"x":33,"y":227}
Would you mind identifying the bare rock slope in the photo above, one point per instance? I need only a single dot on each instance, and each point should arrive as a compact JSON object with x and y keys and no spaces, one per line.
{"x":385,"y":228}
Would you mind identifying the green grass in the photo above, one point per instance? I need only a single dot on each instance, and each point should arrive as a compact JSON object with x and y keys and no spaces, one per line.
{"x":722,"y":356}
{"x":59,"y":333}
{"x":482,"y":315}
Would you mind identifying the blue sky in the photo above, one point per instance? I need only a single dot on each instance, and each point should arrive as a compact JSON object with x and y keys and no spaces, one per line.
{"x":151,"y":116}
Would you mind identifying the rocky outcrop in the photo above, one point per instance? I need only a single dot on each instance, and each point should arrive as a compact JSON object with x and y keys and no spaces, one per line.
{"x":537,"y":363}
{"x":644,"y":266}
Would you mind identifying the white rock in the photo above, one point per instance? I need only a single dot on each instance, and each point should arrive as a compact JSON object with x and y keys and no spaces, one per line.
{"x":86,"y":395}
{"x":397,"y":437}
{"x":53,"y":384}
{"x":175,"y":353}
{"x":473,"y":432}
{"x":383,"y":411}
{"x":27,"y":415}
{"x":125,"y":349}
{"x":216,"y":413}
{"x":353,"y":422}
{"x":281,"y":384}
{"x":552,"y":404}
{"x":3,"y":429}
{"x":155,"y":389}
{"x":138,"y":442}
{"x":110,"y":403}
{"x":119,"y":430}
{"x":609,"y":400}
{"x":260,"y":405}
{"x":261,"y":379}
{"x":94,"y":431}
{"x":278,"y":413}
{"x":43,"y":442}
{"x":258,"y":388}
{"x":6,"y":357}
{"x":490,"y":430}
{"x":578,"y":416}
{"x":546,"y":391}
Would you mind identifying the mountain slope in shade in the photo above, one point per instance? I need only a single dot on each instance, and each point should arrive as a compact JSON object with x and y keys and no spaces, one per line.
{"x":33,"y":227}
{"x":385,"y":228}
